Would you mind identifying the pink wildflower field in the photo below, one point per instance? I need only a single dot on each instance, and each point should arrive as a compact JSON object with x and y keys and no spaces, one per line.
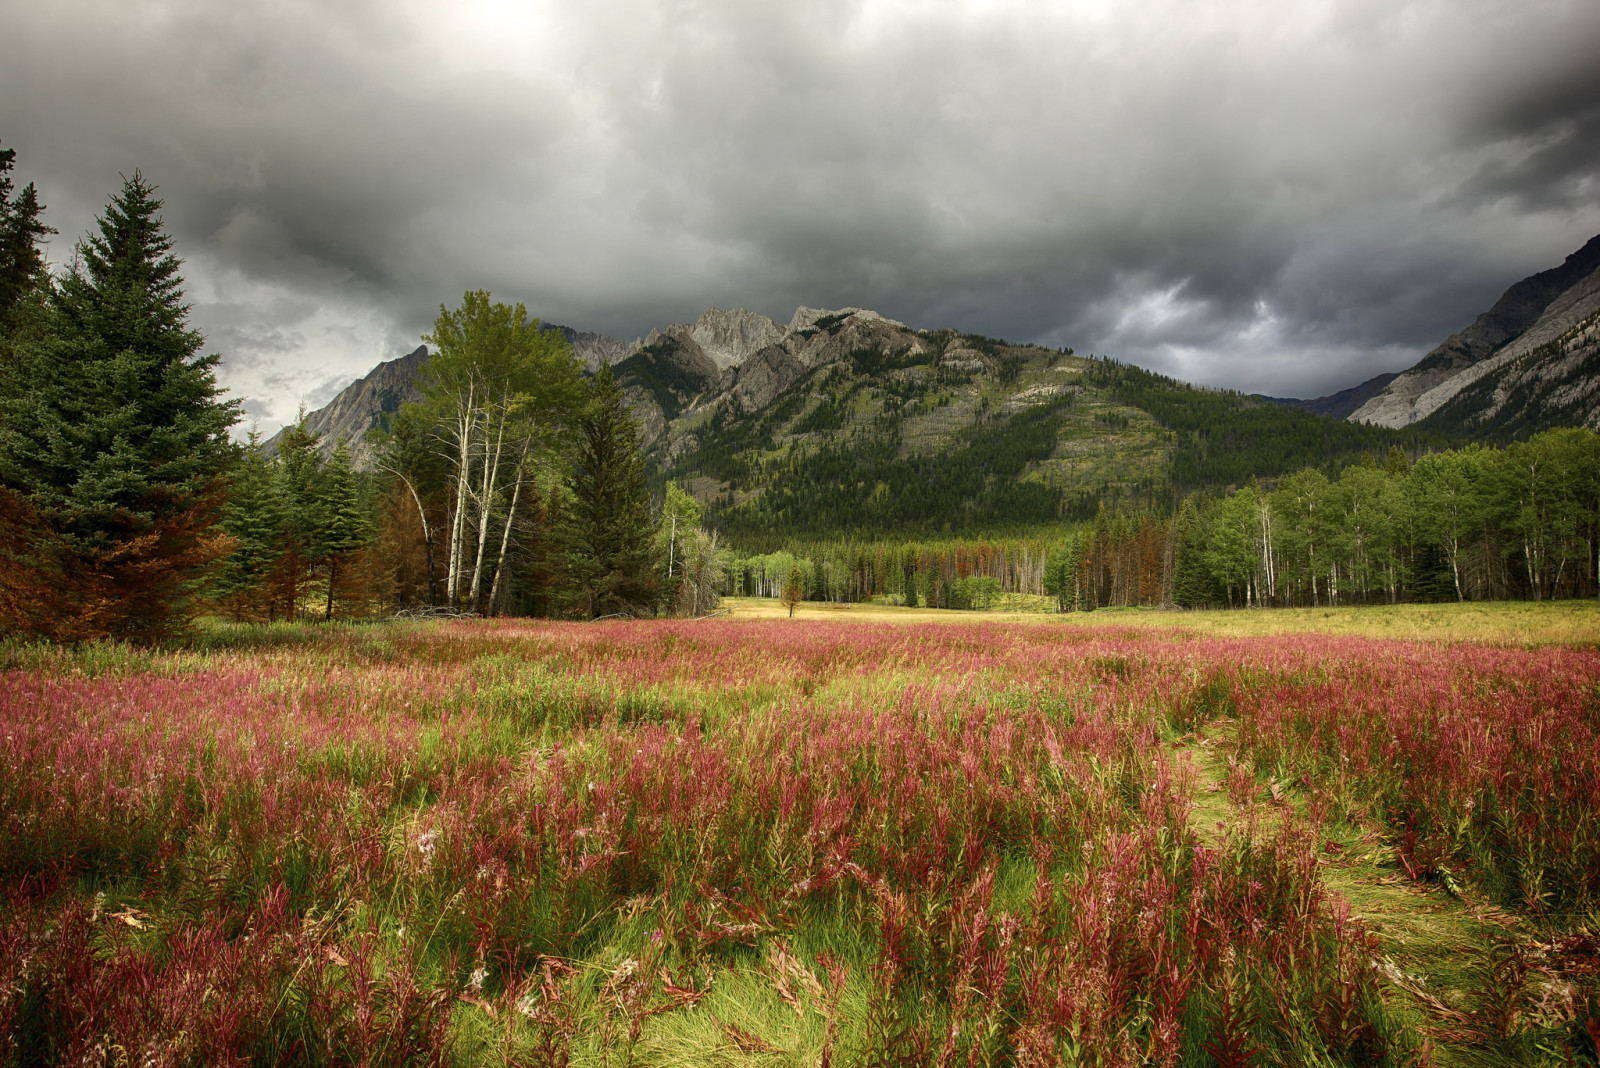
{"x":727,"y":842}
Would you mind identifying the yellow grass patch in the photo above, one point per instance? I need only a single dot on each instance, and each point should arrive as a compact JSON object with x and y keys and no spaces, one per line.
{"x":1494,"y":622}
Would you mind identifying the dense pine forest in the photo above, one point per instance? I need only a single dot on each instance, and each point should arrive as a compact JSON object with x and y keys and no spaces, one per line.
{"x":945,"y":470}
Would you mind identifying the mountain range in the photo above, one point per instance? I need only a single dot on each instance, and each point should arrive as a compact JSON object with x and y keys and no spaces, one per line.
{"x":845,"y":419}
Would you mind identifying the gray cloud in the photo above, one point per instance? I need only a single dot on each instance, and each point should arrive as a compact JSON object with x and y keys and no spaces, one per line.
{"x":1283,"y":198}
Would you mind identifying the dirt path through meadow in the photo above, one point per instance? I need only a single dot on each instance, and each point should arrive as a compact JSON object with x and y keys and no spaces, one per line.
{"x":1445,"y":953}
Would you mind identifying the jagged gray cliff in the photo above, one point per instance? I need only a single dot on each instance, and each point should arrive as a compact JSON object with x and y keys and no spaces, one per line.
{"x":1528,"y":363}
{"x":735,"y":352}
{"x":361,"y":406}
{"x":744,"y":359}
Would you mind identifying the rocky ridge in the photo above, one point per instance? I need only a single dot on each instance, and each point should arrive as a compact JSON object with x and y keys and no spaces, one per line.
{"x":736,"y":354}
{"x":1531,"y":346}
{"x":362,"y":405}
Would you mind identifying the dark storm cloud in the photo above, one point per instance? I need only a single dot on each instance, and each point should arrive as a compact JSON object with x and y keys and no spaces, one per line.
{"x":1284,"y":198}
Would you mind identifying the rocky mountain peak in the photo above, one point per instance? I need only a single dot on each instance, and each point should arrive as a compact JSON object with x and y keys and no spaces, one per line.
{"x":363,"y":405}
{"x":731,"y":337}
{"x":808,"y":318}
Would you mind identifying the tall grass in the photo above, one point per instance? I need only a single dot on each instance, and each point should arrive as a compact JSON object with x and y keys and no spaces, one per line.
{"x":662,"y":842}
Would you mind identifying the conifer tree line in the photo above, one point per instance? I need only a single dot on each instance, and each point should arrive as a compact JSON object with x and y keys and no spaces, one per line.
{"x":126,"y":511}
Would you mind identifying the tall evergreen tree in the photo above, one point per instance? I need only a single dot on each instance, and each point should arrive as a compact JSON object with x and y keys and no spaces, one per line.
{"x":299,"y":486}
{"x":22,"y":231}
{"x":607,"y":535}
{"x":120,"y":434}
{"x":346,"y":528}
{"x":254,"y":518}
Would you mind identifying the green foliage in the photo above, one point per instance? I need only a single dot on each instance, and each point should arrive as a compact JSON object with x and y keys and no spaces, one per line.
{"x":498,"y":398}
{"x":22,"y":231}
{"x":1231,"y":551}
{"x":864,"y":484}
{"x":255,"y":519}
{"x":1223,"y":438}
{"x":112,"y":424}
{"x":1192,"y":584}
{"x":120,"y":419}
{"x":608,"y":538}
{"x":1473,"y":523}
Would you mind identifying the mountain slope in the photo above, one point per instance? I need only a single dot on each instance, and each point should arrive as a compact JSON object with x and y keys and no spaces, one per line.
{"x":1526,"y":363}
{"x":363,"y":405}
{"x":853,"y":423}
{"x":368,"y":401}
{"x":844,"y":421}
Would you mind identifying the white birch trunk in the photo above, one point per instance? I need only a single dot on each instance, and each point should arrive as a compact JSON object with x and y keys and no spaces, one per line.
{"x":465,"y":418}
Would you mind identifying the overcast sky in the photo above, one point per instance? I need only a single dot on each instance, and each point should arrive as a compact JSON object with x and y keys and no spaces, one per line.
{"x":1274,"y":196}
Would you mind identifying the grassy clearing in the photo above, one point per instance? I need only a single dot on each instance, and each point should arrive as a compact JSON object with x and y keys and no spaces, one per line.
{"x":1495,"y":622}
{"x":737,"y":841}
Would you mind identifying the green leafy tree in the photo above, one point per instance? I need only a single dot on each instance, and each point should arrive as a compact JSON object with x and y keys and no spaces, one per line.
{"x":1232,"y":550}
{"x":1448,"y":491}
{"x":115,"y":427}
{"x":1537,"y":508}
{"x":1061,"y":569}
{"x":1302,"y":504}
{"x":680,"y":516}
{"x":1191,"y":579}
{"x":794,"y":590}
{"x":497,"y":390}
{"x":1364,"y":503}
{"x":608,"y":537}
{"x":299,"y":486}
{"x":345,"y":527}
{"x":405,"y":450}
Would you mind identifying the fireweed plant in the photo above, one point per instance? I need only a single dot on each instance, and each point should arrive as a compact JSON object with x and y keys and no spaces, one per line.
{"x":705,"y":842}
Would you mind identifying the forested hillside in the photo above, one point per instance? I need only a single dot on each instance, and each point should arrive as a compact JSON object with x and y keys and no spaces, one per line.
{"x":914,"y":433}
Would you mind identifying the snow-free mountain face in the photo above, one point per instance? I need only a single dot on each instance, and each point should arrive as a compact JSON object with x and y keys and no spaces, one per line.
{"x":1529,"y":363}
{"x":363,"y":405}
{"x":846,"y":421}
{"x":653,"y":370}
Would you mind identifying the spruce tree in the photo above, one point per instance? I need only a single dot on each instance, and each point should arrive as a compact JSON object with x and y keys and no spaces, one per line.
{"x":299,"y":487}
{"x":254,"y":518}
{"x":22,"y":231}
{"x":607,"y":536}
{"x":120,"y":437}
{"x":345,"y":529}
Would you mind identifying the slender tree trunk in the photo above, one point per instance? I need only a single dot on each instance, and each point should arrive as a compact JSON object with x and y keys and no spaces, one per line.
{"x":491,"y":473}
{"x":427,"y":533}
{"x":505,"y":535}
{"x":1455,"y":567}
{"x":466,"y":418}
{"x":333,"y":574}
